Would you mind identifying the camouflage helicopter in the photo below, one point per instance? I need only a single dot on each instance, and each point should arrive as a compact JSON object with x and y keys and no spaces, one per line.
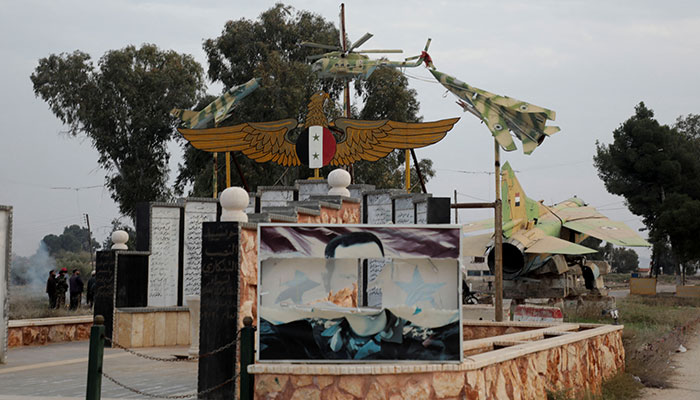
{"x":351,"y":64}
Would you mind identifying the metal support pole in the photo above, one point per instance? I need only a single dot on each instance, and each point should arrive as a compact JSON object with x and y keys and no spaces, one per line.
{"x":420,"y":175}
{"x":228,"y":169}
{"x":456,"y":212}
{"x":247,"y":358}
{"x":498,"y":238}
{"x":216,"y":176}
{"x":97,"y":345}
{"x":408,"y":171}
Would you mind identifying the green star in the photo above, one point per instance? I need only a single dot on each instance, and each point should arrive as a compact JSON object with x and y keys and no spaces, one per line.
{"x":315,"y":138}
{"x":315,"y":156}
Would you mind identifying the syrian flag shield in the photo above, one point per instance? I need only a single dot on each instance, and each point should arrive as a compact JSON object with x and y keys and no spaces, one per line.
{"x":316,"y":146}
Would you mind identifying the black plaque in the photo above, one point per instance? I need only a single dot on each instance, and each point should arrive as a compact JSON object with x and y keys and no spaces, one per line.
{"x":132,"y":280}
{"x":105,"y":263}
{"x":439,"y":210}
{"x":219,"y":308}
{"x":143,"y":226}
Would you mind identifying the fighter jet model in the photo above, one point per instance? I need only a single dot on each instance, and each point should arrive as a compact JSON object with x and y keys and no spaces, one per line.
{"x":350,"y":64}
{"x":502,"y":114}
{"x":541,"y":243}
{"x":219,"y":109}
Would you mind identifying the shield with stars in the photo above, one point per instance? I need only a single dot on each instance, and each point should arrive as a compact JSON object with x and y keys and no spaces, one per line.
{"x":316,"y":146}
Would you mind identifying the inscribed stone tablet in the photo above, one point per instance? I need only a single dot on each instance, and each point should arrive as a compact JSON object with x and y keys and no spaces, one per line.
{"x":163,"y":262}
{"x":196,"y":212}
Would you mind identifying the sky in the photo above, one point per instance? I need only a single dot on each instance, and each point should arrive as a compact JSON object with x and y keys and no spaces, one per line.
{"x":590,"y":61}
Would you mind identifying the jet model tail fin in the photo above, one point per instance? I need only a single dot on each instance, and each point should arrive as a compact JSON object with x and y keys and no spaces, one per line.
{"x":516,"y":205}
{"x":185,"y":115}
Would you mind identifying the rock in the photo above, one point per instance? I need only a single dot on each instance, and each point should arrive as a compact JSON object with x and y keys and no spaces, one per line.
{"x":448,"y":384}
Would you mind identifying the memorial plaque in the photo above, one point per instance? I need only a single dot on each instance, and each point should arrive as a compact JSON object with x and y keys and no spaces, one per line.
{"x":315,"y":187}
{"x":276,"y":196}
{"x":105,"y":263}
{"x":164,"y":262}
{"x":379,"y":207}
{"x":219,"y":307}
{"x":196,"y":213}
{"x":438,"y":211}
{"x":132,"y":279}
{"x":5,"y":251}
{"x":404,"y":212}
{"x":422,"y":212}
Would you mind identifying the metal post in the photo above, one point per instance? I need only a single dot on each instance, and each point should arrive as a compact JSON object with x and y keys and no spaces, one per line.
{"x":228,"y":169}
{"x":216,"y":177}
{"x":498,"y":237}
{"x":94,"y":375}
{"x":456,"y":213}
{"x":408,"y":171}
{"x":247,"y":354}
{"x":420,"y":175}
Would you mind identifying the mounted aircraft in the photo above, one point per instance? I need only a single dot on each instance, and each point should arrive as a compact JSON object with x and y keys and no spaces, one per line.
{"x":219,"y":109}
{"x":351,"y":64}
{"x":541,"y":244}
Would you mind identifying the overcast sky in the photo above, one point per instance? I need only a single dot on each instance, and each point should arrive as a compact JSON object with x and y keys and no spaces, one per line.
{"x":590,"y":61}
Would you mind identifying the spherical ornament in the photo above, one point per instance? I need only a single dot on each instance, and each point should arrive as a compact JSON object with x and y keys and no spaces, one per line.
{"x":338,"y":180}
{"x":233,"y":201}
{"x":119,"y":239}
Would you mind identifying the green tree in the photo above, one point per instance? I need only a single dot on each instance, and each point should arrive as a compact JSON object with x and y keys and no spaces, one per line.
{"x":624,"y":260}
{"x":270,"y":48}
{"x":73,"y":239}
{"x":122,"y":105}
{"x":656,"y":169}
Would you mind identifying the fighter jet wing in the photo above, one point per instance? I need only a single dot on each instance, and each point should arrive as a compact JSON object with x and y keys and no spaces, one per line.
{"x":478,"y":225}
{"x":610,"y":231}
{"x":475,"y":246}
{"x":554,"y":245}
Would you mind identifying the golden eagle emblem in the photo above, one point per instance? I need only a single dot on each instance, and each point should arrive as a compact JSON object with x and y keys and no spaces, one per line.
{"x":316,"y":145}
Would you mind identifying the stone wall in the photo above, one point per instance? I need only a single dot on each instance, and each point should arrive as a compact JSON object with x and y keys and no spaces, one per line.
{"x":30,"y":332}
{"x":149,"y":327}
{"x":578,"y":360}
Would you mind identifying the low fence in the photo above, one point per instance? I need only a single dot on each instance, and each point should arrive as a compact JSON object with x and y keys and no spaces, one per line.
{"x":41,"y":331}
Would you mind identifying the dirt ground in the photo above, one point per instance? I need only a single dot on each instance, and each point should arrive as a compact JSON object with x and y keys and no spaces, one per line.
{"x":685,"y":377}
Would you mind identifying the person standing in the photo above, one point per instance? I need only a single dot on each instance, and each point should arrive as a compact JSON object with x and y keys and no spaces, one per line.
{"x":51,"y":289}
{"x":76,"y":289}
{"x":61,"y":287}
{"x":91,"y":289}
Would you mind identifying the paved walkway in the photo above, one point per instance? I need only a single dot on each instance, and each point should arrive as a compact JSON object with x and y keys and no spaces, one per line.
{"x":59,"y":371}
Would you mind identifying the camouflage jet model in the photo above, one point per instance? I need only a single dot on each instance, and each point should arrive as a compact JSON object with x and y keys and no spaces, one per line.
{"x":502,"y":114}
{"x":541,"y":240}
{"x":350,"y":64}
{"x":219,"y":109}
{"x":340,"y":142}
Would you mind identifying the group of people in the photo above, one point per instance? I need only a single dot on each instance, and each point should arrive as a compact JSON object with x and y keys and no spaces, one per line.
{"x":57,"y":285}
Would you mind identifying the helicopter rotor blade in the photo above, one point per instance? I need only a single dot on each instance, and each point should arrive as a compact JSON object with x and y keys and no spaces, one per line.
{"x":380,"y":51}
{"x":360,"y":41}
{"x":316,"y":57}
{"x":320,"y":46}
{"x":412,"y":58}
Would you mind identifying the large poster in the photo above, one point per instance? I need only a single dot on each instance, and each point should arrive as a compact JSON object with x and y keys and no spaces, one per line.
{"x":359,"y":293}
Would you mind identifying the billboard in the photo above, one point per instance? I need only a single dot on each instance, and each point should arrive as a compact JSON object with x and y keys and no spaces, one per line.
{"x":358,"y":293}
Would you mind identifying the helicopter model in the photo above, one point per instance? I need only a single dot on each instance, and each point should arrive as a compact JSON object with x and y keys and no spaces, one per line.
{"x":350,"y":64}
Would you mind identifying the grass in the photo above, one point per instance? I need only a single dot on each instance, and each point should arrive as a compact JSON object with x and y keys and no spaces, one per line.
{"x":27,"y":302}
{"x":654,"y":328}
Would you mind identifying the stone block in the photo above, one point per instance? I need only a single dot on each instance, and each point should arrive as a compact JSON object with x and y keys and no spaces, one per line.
{"x":137,"y":329}
{"x":170,"y":328}
{"x":82,"y":331}
{"x":124,"y":329}
{"x":643,"y":286}
{"x":301,"y":380}
{"x":311,"y":393}
{"x":323,"y":380}
{"x":183,"y":328}
{"x":267,"y":385}
{"x":14,"y":337}
{"x":159,"y":332}
{"x":418,"y":390}
{"x":446,"y":384}
{"x":149,"y":327}
{"x":355,"y":385}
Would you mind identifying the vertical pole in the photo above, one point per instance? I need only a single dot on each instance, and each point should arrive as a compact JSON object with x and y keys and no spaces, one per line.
{"x":498,"y":236}
{"x":216,"y":177}
{"x":456,"y":213}
{"x":94,"y":375}
{"x":317,"y":173}
{"x":420,"y":176}
{"x":92,"y":254}
{"x":240,"y":173}
{"x":228,"y":169}
{"x":408,"y":170}
{"x":247,"y":351}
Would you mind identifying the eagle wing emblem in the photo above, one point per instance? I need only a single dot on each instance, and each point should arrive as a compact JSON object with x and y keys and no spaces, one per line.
{"x":259,"y":141}
{"x":372,"y":140}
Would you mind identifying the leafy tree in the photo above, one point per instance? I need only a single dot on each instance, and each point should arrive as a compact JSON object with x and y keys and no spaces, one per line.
{"x":73,"y":239}
{"x":624,"y":260}
{"x":122,"y":105}
{"x":270,"y":48}
{"x":656,"y":168}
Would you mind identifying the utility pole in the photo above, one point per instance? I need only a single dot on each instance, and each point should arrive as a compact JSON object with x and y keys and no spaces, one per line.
{"x":89,"y":241}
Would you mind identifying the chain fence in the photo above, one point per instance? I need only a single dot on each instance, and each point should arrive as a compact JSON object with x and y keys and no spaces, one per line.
{"x":173,"y":359}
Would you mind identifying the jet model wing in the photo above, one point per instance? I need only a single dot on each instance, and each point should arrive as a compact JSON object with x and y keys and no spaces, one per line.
{"x":502,"y":114}
{"x":475,"y":246}
{"x":478,"y":225}
{"x":610,"y":231}
{"x":553,"y":245}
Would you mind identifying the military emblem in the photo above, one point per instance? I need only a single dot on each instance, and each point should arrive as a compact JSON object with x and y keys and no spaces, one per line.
{"x":340,"y":142}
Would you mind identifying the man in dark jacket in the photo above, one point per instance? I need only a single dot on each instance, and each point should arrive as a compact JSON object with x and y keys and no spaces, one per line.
{"x":91,"y":289}
{"x":61,"y":287}
{"x":51,"y":288}
{"x":76,"y":289}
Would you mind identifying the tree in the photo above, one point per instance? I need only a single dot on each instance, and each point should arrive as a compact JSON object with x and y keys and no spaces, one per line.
{"x":73,"y":239}
{"x":656,"y":169}
{"x":122,"y":105}
{"x":624,"y":260}
{"x":269,"y":48}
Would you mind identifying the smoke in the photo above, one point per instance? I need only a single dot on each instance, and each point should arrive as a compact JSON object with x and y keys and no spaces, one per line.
{"x":32,"y":271}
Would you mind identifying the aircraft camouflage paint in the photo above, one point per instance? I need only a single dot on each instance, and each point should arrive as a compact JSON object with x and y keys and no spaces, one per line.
{"x":219,"y":109}
{"x":502,"y":114}
{"x":534,"y":232}
{"x":349,"y":64}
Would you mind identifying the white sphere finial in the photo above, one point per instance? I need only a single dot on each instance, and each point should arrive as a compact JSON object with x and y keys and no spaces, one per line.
{"x":339,"y":180}
{"x":119,"y":239}
{"x":233,"y":201}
